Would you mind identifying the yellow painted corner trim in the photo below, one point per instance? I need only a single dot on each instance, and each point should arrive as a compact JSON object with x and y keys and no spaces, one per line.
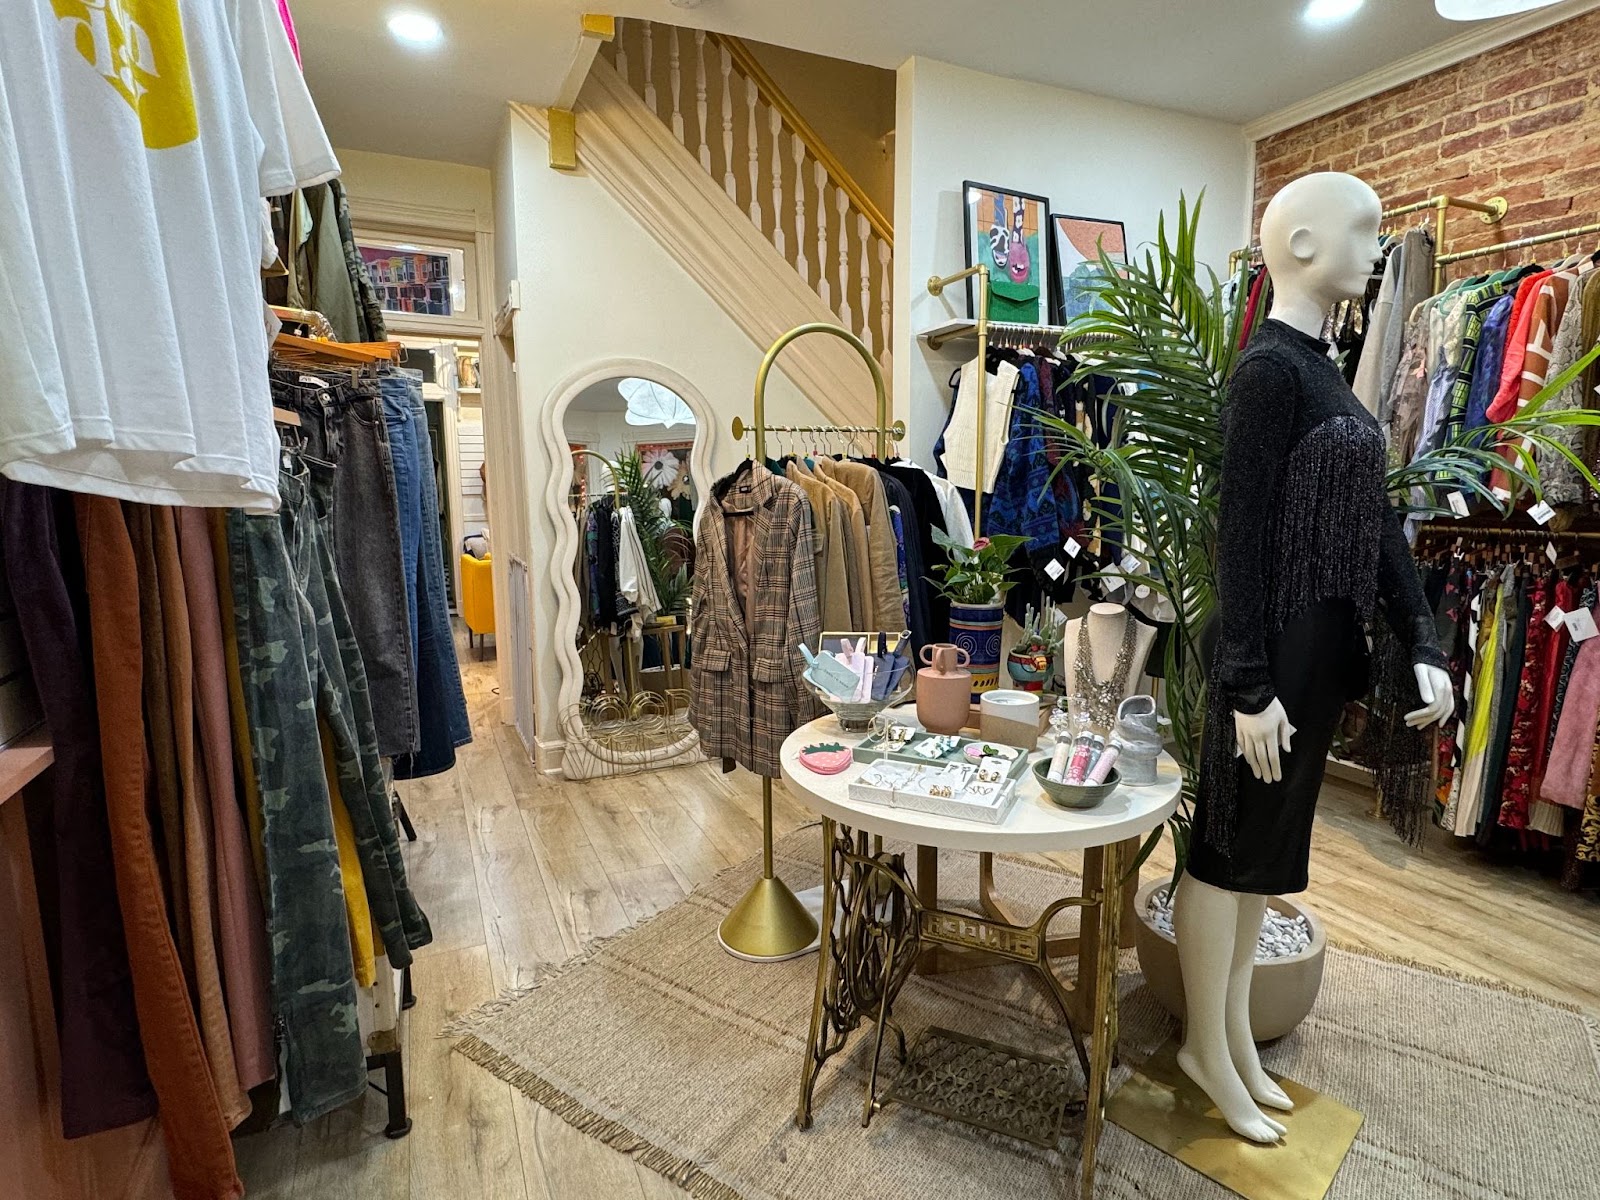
{"x":563,"y":139}
{"x":599,"y":25}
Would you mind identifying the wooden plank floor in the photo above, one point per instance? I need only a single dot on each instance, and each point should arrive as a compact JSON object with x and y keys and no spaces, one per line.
{"x":518,"y":871}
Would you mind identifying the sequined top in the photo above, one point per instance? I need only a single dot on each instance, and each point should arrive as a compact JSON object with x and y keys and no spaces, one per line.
{"x":1304,"y":514}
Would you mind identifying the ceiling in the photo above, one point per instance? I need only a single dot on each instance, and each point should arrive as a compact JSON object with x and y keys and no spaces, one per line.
{"x":1236,"y":60}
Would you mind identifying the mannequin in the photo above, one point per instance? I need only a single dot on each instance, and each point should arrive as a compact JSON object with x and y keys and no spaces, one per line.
{"x":1106,"y":624}
{"x":1308,"y":546}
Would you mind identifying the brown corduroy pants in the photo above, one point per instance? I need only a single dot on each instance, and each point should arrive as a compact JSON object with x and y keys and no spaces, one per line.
{"x":199,"y":1151}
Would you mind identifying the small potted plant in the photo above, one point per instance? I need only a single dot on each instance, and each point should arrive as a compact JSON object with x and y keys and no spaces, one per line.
{"x":1033,"y":659}
{"x":975,"y":582}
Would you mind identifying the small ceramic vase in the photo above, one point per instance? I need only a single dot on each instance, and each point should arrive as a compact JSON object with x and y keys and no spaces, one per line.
{"x":944,"y":689}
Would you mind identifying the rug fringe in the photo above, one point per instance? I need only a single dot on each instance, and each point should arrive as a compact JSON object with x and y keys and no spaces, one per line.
{"x":683,"y":1172}
{"x":1499,"y":985}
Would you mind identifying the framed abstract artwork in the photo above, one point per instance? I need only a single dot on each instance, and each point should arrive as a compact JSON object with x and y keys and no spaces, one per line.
{"x":1077,"y":244}
{"x":1005,"y":229}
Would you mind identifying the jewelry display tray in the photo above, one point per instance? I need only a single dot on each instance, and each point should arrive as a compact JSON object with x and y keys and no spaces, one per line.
{"x":875,"y":747}
{"x":984,"y":810}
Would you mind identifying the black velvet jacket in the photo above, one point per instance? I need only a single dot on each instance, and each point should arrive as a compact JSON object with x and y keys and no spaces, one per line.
{"x":1304,"y":514}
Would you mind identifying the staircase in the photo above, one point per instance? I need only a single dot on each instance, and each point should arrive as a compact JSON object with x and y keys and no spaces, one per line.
{"x":690,"y":134}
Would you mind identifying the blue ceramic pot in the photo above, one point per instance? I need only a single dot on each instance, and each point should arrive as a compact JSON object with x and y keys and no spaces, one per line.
{"x":976,"y":629}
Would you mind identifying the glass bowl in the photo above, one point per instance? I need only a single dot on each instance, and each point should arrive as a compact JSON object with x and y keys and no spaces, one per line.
{"x":855,"y":716}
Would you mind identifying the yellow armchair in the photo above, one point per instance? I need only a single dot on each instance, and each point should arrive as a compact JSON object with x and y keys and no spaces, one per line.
{"x":477,"y":596}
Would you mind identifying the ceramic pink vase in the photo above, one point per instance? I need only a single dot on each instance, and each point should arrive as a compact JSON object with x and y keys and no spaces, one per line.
{"x":944,"y":689}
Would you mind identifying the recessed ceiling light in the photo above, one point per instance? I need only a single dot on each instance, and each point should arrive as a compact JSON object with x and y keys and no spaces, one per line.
{"x":1331,"y":12}
{"x":416,"y":29}
{"x":1482,"y":10}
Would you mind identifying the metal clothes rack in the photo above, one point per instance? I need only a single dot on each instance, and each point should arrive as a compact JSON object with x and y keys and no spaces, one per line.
{"x":1489,"y":211}
{"x":769,"y":923}
{"x":1537,"y":239}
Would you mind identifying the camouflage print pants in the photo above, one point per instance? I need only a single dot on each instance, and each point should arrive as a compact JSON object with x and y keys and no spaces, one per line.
{"x":313,"y":975}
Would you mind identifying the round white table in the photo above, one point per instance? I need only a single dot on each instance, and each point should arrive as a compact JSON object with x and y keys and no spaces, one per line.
{"x":875,"y":926}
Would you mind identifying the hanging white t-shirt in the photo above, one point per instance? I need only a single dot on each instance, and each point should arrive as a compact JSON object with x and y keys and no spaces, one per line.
{"x":141,"y":158}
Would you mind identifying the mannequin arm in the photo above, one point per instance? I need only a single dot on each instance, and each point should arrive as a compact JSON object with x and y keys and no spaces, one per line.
{"x":1257,"y":421}
{"x":1438,"y":696}
{"x":1261,"y":737}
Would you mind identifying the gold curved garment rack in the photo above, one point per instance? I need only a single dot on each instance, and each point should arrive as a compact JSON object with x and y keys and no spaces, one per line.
{"x":769,"y":923}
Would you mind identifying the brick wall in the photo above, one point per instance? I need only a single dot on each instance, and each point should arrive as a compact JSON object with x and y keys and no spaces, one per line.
{"x":1521,"y":121}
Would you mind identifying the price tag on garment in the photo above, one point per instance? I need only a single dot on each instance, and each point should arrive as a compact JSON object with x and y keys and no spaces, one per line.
{"x":1141,"y":592}
{"x":1551,"y":552}
{"x":1458,"y":504}
{"x":1555,"y":617}
{"x":1477,"y":605}
{"x":1130,"y":563}
{"x":1501,"y":494}
{"x":1054,"y":569}
{"x":1072,"y":548}
{"x":1542,"y":512}
{"x":1580,"y":624}
{"x":1113,"y":585}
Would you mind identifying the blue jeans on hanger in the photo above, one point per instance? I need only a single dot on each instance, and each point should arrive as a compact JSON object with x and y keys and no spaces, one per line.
{"x":441,"y":704}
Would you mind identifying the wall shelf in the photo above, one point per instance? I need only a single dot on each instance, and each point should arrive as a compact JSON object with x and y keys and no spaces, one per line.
{"x":23,"y":761}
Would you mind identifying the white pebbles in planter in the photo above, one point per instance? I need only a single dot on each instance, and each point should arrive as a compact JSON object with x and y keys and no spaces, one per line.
{"x":1281,"y":936}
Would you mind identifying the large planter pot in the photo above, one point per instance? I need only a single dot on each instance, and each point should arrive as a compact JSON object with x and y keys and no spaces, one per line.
{"x":1281,"y":992}
{"x":976,"y":629}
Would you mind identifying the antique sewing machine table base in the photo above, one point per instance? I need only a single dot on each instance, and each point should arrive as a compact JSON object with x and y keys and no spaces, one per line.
{"x":875,"y":930}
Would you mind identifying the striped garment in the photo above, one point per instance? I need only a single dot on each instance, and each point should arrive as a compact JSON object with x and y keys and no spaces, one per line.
{"x":755,"y":602}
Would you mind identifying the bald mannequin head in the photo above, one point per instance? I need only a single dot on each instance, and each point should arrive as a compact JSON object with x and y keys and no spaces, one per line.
{"x":1319,"y":238}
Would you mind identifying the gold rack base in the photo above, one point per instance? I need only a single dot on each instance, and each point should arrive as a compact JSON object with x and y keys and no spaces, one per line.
{"x":768,"y":925}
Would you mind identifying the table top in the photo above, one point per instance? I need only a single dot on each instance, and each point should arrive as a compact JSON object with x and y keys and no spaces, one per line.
{"x":1035,"y":824}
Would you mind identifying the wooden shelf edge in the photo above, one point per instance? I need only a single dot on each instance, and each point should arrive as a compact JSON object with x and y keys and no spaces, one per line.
{"x":23,"y":760}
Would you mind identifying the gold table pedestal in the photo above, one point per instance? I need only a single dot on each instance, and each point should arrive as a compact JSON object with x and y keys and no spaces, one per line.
{"x":1160,"y":1105}
{"x":875,"y":929}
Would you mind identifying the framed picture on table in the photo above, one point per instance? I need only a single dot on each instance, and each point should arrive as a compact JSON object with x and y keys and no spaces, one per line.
{"x":1077,"y":243}
{"x":1005,"y":229}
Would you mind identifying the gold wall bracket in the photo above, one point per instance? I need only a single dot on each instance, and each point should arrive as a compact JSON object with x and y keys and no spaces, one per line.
{"x":563,"y":139}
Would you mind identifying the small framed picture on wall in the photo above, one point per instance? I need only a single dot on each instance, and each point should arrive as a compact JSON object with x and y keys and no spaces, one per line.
{"x":1005,"y":229}
{"x":1077,"y":244}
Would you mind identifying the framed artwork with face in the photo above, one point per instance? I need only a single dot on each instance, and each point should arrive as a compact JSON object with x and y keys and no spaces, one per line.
{"x":1077,"y":245}
{"x":1005,"y":229}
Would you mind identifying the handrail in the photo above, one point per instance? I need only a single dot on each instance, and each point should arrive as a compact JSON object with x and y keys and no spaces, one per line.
{"x":745,"y":60}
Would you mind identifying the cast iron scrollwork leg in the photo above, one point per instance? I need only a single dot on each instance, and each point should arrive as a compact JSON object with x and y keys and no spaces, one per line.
{"x":869,"y":935}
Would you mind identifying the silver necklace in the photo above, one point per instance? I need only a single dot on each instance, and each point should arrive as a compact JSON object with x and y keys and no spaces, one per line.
{"x":1101,"y":699}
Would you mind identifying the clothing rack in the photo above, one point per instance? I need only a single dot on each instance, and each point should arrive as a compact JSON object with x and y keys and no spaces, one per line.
{"x":1537,"y":239}
{"x":611,"y":469}
{"x":1489,"y":211}
{"x":1012,"y":334}
{"x":769,"y":923}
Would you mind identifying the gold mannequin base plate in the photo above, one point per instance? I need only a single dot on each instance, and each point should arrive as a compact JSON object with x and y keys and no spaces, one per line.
{"x":1159,"y":1104}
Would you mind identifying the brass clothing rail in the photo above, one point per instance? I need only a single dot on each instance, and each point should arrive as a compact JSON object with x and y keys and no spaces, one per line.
{"x":1537,"y":239}
{"x":769,"y":923}
{"x":936,"y":286}
{"x":1489,"y":211}
{"x":611,"y":469}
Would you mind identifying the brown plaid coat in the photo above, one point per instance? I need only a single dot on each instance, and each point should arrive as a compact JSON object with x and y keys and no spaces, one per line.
{"x":747,"y":691}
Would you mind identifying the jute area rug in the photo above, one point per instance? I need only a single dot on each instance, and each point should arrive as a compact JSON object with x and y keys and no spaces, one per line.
{"x":661,"y":1045}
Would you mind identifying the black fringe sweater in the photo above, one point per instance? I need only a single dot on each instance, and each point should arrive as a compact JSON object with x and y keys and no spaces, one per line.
{"x":1304,"y":517}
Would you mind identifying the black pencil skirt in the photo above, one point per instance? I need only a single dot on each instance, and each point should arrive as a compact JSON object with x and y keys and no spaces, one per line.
{"x":1318,"y":662}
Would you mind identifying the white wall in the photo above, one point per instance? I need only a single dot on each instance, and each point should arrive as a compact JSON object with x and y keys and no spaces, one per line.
{"x":597,"y":288}
{"x":380,"y":179}
{"x":1090,"y":156}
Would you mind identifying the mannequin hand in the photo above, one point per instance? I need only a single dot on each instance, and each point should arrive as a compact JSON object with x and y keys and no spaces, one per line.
{"x":1438,"y":697}
{"x":1260,"y":738}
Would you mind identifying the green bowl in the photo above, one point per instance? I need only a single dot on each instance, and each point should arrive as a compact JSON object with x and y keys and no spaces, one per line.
{"x":1074,"y":795}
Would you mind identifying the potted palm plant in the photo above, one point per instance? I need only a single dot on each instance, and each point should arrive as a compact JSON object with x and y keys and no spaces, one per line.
{"x":1166,"y":329}
{"x":975,"y":582}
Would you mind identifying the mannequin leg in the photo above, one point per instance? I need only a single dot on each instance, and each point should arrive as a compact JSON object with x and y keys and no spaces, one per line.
{"x":1207,"y":920}
{"x":1241,"y":1046}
